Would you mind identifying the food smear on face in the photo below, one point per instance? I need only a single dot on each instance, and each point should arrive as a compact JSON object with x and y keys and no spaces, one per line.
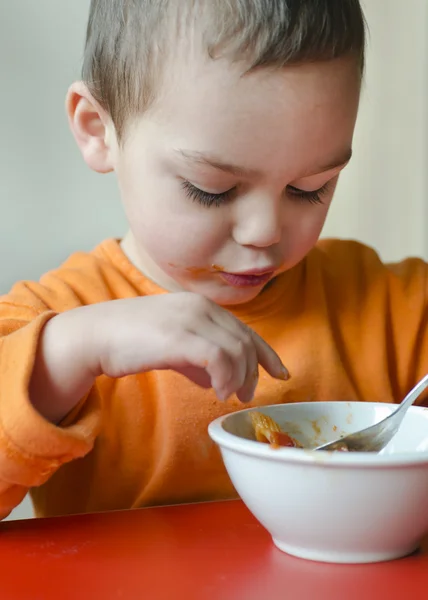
{"x":196,"y":270}
{"x":269,"y":432}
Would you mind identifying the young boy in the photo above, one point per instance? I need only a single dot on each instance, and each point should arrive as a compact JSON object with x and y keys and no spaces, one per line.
{"x":227,"y":125}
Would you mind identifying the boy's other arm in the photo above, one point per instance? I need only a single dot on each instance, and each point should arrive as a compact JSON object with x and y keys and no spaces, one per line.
{"x":408,"y":332}
{"x":381,"y":312}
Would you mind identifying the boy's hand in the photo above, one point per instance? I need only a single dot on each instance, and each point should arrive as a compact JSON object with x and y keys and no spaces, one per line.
{"x":189,"y":334}
{"x":184,"y":332}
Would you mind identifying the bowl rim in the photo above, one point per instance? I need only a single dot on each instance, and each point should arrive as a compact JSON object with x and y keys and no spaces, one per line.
{"x":224,"y":439}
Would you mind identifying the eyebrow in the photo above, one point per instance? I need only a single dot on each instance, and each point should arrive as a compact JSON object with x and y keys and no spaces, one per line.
{"x":341,"y":161}
{"x":212,"y":161}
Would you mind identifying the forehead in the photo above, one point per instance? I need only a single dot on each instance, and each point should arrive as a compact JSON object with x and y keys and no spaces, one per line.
{"x":303,"y":113}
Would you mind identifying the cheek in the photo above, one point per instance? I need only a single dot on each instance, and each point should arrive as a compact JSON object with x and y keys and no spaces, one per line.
{"x":304,"y":233}
{"x":174,"y":242}
{"x":170,"y":228}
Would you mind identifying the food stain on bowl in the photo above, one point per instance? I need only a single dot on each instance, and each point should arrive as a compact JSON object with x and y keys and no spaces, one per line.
{"x":319,"y":427}
{"x":292,"y":428}
{"x":316,"y":427}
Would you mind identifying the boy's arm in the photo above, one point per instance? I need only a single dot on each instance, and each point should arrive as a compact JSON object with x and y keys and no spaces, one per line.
{"x":407,"y":303}
{"x":49,"y":361}
{"x":380,"y":314}
{"x":31,"y":447}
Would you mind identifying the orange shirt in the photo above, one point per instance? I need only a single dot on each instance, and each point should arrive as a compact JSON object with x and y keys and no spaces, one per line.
{"x":347,"y":326}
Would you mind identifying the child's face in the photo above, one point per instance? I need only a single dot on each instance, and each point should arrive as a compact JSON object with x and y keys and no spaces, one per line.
{"x":233,"y":174}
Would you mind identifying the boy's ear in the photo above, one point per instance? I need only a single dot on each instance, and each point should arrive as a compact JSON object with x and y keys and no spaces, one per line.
{"x":90,"y":125}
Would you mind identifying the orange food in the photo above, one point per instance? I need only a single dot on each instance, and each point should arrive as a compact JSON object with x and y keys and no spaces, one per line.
{"x":268,"y":431}
{"x":197,"y":270}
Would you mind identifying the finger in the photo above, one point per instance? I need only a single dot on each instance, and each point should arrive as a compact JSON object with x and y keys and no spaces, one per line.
{"x":237,"y":351}
{"x":269,"y":359}
{"x":198,"y":351}
{"x":246,"y":393}
{"x":239,"y":330}
{"x":196,"y":374}
{"x":266,"y":356}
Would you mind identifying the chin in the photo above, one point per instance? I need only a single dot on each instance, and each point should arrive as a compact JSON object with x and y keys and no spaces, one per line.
{"x":229,"y":296}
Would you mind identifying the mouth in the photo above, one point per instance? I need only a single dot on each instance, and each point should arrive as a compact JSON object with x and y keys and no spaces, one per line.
{"x":255,"y":278}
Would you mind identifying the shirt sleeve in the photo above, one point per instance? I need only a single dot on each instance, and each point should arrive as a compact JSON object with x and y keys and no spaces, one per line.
{"x":406,"y":304}
{"x":380,"y":314}
{"x":31,"y":448}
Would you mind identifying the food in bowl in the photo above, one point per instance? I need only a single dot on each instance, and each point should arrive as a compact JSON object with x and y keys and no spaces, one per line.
{"x":343,"y":507}
{"x":268,"y":431}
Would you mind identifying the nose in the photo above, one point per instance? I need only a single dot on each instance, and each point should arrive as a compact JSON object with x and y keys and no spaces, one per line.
{"x":258,"y":222}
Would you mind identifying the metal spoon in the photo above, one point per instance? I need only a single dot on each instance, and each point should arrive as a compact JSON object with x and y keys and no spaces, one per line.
{"x":376,"y":437}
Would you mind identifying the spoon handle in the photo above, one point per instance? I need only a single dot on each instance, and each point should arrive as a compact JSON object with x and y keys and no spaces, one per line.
{"x":413,"y":395}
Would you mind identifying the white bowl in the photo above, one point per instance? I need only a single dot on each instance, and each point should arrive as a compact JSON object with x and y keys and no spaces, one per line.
{"x":332,"y":506}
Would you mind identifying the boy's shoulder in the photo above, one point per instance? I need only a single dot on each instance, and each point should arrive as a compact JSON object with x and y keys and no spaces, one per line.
{"x":359,"y":266}
{"x":83,"y":278}
{"x":347,"y":254}
{"x":106,"y":263}
{"x":337,"y":251}
{"x":106,"y":258}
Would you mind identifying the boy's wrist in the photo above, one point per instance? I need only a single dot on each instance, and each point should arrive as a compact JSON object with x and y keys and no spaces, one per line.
{"x":65,"y":365}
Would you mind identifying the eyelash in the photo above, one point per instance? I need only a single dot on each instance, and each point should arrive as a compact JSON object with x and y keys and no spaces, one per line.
{"x":205,"y":198}
{"x":208,"y":199}
{"x":314,"y":197}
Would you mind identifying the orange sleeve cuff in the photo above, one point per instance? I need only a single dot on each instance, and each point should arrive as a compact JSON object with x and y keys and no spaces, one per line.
{"x":31,"y":448}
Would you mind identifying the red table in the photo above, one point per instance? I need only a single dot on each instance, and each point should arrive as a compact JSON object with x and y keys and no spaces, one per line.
{"x":199,"y":551}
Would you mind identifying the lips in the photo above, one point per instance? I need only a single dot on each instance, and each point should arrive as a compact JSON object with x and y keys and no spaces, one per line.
{"x":254,"y":278}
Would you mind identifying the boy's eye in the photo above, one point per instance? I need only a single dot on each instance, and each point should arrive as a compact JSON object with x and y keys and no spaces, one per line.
{"x":209,"y":199}
{"x":205,"y":198}
{"x":313,"y":197}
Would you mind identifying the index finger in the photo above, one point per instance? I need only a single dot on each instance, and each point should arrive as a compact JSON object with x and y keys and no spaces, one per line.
{"x":268,"y":358}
